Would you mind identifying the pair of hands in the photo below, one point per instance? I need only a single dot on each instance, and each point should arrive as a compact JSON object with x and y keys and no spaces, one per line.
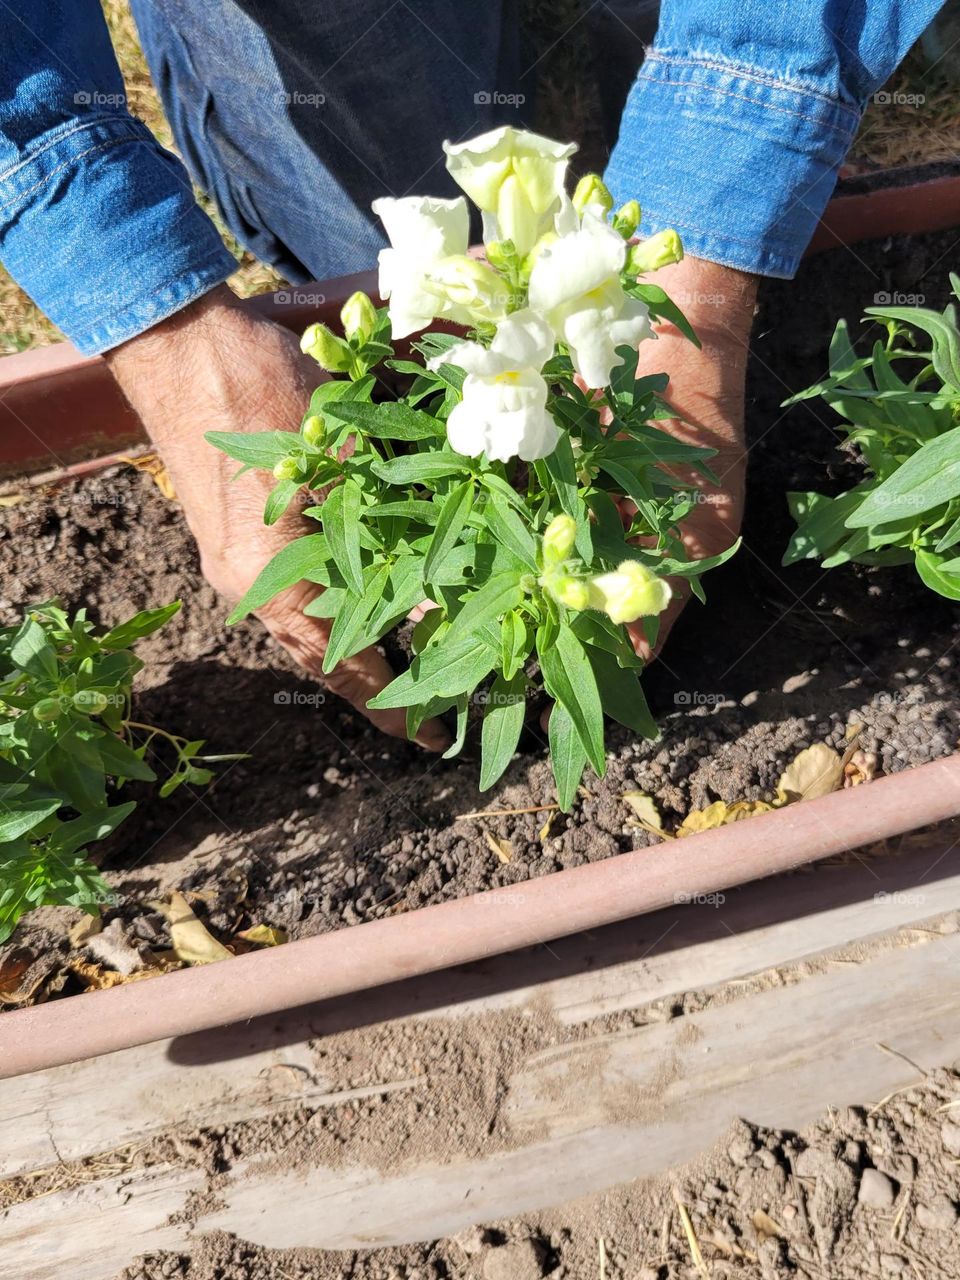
{"x":215,"y":366}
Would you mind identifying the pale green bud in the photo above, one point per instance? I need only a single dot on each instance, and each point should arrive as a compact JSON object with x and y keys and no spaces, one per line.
{"x":47,"y":709}
{"x":558,"y":539}
{"x":627,"y":219}
{"x":313,"y":432}
{"x":592,"y":193}
{"x":288,"y":468}
{"x":573,"y":592}
{"x":359,"y":318}
{"x":501,"y":254}
{"x":661,"y":250}
{"x":90,"y":701}
{"x":630,"y":592}
{"x":329,"y":351}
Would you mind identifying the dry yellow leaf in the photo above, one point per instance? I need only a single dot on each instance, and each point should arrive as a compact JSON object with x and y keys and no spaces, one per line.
{"x":97,"y":978}
{"x":814,"y":772}
{"x":192,"y":941}
{"x":644,"y":808}
{"x":545,"y":829}
{"x":152,"y":464}
{"x":86,"y":927}
{"x":721,"y":814}
{"x":12,"y":499}
{"x":765,"y":1226}
{"x":264,"y":935}
{"x":502,"y":848}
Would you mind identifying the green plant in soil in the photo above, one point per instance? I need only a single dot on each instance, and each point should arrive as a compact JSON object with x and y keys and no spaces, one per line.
{"x":902,"y":404}
{"x":520,"y":485}
{"x":67,"y":746}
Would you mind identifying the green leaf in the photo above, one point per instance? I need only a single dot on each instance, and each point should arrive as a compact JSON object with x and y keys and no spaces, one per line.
{"x":661,"y":308}
{"x":567,"y":755}
{"x":280,"y":497}
{"x":120,"y":760}
{"x":489,"y":603}
{"x":140,"y":625}
{"x":453,"y":517}
{"x":462,"y":703}
{"x":927,"y":479}
{"x":298,"y":561}
{"x":621,"y":694}
{"x":515,"y":640}
{"x":341,"y":524}
{"x":391,"y":420}
{"x":569,"y":679}
{"x":261,"y":449}
{"x":414,"y":468}
{"x":502,"y":725}
{"x":412,"y":509}
{"x":21,"y":816}
{"x":348,"y":625}
{"x":443,"y":670}
{"x":821,"y":522}
{"x":562,"y":469}
{"x":509,"y":529}
{"x":32,"y":652}
{"x":97,"y":825}
{"x":936,"y":576}
{"x":941,"y":328}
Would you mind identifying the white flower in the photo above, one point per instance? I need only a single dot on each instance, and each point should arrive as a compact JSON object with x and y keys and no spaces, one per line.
{"x":503,"y":412}
{"x":515,"y":177}
{"x":575,"y":285}
{"x":422,"y":232}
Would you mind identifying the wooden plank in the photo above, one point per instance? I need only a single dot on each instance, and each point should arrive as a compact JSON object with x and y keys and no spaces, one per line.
{"x":663,"y":1094}
{"x":239,"y":1072}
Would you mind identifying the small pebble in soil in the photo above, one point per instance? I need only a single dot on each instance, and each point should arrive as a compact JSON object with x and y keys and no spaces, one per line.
{"x":938,"y":1214}
{"x":877,"y":1191}
{"x":522,"y":1260}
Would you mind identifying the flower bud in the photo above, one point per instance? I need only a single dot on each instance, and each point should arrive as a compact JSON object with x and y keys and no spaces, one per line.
{"x":632,"y":591}
{"x":90,"y":701}
{"x":627,"y":219}
{"x":329,"y":351}
{"x":288,"y":468}
{"x":558,"y":539}
{"x":313,"y":432}
{"x":501,"y":254}
{"x":592,"y":193}
{"x":359,"y":318}
{"x":573,"y":592}
{"x":47,"y":709}
{"x":661,"y":250}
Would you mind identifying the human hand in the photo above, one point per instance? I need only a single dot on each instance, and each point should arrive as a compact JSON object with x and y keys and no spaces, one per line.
{"x":215,"y":366}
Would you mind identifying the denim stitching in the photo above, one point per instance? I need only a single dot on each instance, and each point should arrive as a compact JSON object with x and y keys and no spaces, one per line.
{"x":735,"y":69}
{"x":101,"y":146}
{"x":753,"y":102}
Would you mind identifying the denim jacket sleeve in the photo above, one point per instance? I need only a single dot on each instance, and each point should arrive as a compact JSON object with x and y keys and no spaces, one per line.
{"x":743,"y":112}
{"x":98,"y":223}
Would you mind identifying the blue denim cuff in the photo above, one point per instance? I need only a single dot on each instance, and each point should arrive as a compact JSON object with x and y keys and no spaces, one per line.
{"x":99,"y":224}
{"x":739,"y":161}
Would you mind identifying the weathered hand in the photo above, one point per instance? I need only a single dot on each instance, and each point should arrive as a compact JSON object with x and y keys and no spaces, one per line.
{"x":215,"y":366}
{"x":707,"y":389}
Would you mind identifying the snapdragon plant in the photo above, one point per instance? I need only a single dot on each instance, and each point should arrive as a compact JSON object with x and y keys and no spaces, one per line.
{"x":902,"y":403}
{"x":67,"y":745}
{"x":520,"y":486}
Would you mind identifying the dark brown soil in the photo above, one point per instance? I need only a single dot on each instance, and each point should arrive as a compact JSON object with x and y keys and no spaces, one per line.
{"x":329,"y":823}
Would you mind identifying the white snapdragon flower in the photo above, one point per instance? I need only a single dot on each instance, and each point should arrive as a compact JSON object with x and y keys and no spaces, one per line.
{"x":503,"y":412}
{"x":422,"y":231}
{"x":428,"y":273}
{"x":575,"y":285}
{"x":629,"y":592}
{"x":515,"y":177}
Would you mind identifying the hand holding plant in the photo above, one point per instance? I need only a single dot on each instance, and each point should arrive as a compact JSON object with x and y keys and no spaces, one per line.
{"x":491,"y":488}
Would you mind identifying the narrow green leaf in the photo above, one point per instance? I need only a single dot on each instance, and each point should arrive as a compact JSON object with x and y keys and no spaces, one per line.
{"x":32,"y":652}
{"x":390,"y":420}
{"x":927,"y":478}
{"x":621,"y":694}
{"x":280,"y":497}
{"x":341,"y":524}
{"x":21,"y":816}
{"x":567,"y":755}
{"x":443,"y":670}
{"x":515,"y":640}
{"x":453,"y":516}
{"x":142,"y":624}
{"x":415,"y":468}
{"x":569,"y":679}
{"x":299,"y":561}
{"x":489,"y":603}
{"x":936,"y":576}
{"x":503,"y":718}
{"x":261,"y":449}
